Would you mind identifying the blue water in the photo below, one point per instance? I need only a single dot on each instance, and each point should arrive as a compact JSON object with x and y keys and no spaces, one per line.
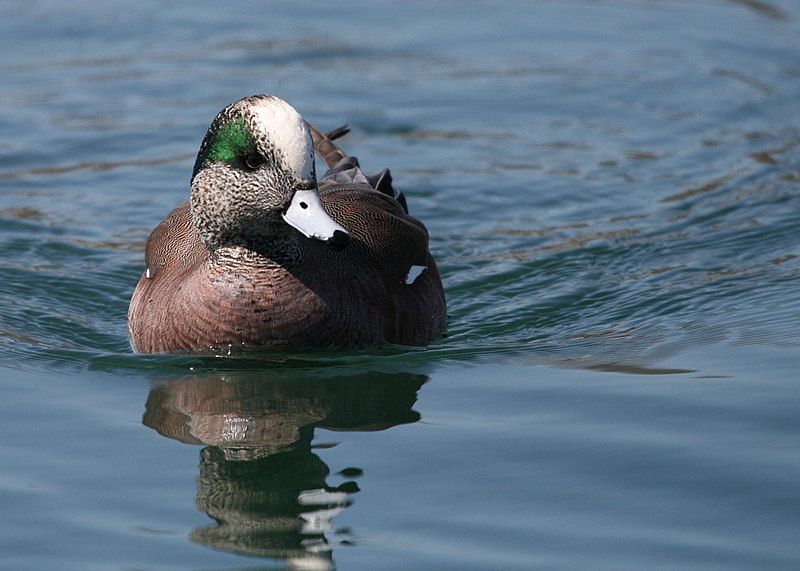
{"x":613,"y":195}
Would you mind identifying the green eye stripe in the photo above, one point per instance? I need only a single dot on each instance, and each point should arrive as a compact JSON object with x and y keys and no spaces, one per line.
{"x":231,"y":142}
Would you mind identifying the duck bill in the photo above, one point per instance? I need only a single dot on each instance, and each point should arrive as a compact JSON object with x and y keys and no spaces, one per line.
{"x":307,"y":216}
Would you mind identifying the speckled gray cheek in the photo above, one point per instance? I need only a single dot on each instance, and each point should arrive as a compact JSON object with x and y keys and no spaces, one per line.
{"x":231,"y":206}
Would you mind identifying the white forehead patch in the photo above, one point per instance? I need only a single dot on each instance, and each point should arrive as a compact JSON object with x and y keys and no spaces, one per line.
{"x":281,"y":124}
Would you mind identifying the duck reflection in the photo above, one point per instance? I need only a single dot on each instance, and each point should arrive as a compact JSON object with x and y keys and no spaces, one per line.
{"x":260,"y":479}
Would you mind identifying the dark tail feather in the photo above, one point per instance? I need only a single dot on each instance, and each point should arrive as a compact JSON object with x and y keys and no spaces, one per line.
{"x":325,"y":147}
{"x":338,"y":132}
{"x":347,"y":172}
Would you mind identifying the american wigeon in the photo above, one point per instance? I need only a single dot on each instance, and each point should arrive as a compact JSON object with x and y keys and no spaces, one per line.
{"x":261,"y":256}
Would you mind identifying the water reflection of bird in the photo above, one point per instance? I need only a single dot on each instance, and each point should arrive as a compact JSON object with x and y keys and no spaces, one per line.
{"x":259,"y":477}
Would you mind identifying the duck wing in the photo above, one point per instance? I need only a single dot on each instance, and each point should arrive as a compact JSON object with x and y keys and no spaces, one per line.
{"x":174,"y":243}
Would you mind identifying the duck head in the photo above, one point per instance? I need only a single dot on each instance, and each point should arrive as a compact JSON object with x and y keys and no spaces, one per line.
{"x":254,"y":179}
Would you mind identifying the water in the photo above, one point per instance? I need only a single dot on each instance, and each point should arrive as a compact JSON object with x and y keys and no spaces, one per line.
{"x":613,"y":194}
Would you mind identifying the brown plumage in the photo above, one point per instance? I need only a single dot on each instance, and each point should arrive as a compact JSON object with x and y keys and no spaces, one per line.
{"x":286,"y":290}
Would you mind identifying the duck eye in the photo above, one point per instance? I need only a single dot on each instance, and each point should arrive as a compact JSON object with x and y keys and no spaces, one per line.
{"x":253,"y":161}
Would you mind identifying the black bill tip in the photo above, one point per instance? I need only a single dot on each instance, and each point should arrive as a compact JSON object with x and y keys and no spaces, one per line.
{"x":339,"y":240}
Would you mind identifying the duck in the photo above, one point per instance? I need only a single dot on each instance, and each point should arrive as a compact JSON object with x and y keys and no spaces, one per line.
{"x":263,"y":255}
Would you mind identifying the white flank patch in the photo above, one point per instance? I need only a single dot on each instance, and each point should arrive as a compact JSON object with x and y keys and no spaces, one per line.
{"x":414,"y":273}
{"x":285,"y":128}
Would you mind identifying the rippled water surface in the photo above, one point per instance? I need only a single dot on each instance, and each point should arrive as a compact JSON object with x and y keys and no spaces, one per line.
{"x":613,"y":194}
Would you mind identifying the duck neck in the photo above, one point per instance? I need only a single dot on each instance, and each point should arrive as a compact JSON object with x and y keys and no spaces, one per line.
{"x":259,"y":252}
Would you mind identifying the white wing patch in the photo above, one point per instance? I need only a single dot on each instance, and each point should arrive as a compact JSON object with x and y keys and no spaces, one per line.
{"x":414,"y":273}
{"x":281,"y":124}
{"x":147,"y":273}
